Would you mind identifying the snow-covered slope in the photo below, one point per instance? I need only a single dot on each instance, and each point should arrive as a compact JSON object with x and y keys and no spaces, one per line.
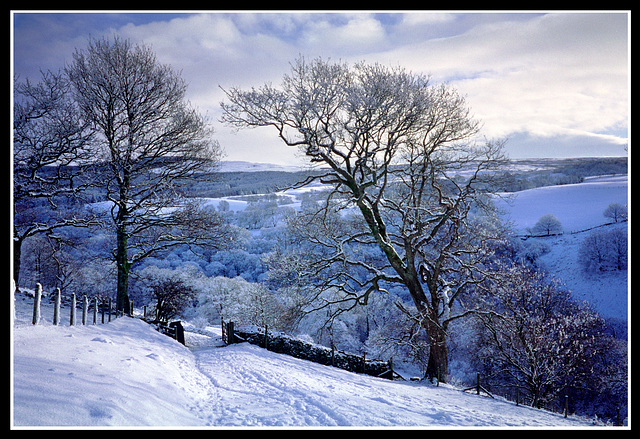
{"x":243,"y":166}
{"x":607,"y":292}
{"x":121,"y":373}
{"x":578,"y":207}
{"x":124,"y":373}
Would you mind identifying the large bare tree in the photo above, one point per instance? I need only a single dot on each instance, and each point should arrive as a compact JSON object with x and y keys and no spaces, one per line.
{"x":390,"y":144}
{"x":149,"y":137}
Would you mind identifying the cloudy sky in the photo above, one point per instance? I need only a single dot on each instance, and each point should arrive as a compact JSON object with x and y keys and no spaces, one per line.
{"x":554,"y":84}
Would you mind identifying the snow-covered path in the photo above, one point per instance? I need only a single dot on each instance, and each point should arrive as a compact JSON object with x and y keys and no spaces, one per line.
{"x":260,"y":388}
{"x":124,"y":373}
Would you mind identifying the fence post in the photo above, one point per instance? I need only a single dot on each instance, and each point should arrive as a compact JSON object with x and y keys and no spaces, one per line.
{"x":265,"y":336}
{"x":85,"y":308}
{"x":224,"y":331}
{"x":230,"y":333}
{"x":36,"y":304}
{"x":72,"y":316}
{"x":56,"y":308}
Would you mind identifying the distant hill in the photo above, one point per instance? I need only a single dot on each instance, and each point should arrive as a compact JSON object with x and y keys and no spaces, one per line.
{"x":242,"y":166}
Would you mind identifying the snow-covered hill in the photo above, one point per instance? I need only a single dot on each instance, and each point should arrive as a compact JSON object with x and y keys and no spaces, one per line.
{"x":124,"y":373}
{"x":243,"y":166}
{"x":577,"y":207}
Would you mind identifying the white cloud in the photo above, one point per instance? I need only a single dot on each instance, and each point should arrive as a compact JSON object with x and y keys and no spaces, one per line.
{"x":551,"y":75}
{"x":533,"y":75}
{"x":558,"y":74}
{"x":419,"y":18}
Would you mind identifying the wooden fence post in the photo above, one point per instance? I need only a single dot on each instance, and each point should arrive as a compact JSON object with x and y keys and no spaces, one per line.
{"x":85,"y":308}
{"x":230,"y":333}
{"x":36,"y":304}
{"x":72,"y":316}
{"x":56,"y":308}
{"x":478,"y":387}
{"x":224,"y":330}
{"x":265,"y":336}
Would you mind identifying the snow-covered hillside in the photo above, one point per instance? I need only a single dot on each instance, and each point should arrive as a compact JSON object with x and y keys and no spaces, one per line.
{"x":242,"y":166}
{"x":577,"y":207}
{"x":124,"y":373}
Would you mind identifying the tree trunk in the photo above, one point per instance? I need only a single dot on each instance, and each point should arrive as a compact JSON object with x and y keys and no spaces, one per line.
{"x":123,"y":265}
{"x":17,"y":250}
{"x":438,"y":364}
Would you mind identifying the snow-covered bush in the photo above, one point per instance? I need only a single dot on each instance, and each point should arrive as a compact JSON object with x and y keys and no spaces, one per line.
{"x":604,"y":251}
{"x":237,"y":300}
{"x":616,"y":211}
{"x":168,"y":292}
{"x":547,"y":225}
{"x":531,"y":250}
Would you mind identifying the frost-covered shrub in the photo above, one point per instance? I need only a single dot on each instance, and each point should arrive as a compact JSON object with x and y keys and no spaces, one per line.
{"x":533,"y":336}
{"x":604,"y":251}
{"x":168,"y":292}
{"x":239,"y":301}
{"x":616,"y":211}
{"x":547,"y":225}
{"x":531,"y":250}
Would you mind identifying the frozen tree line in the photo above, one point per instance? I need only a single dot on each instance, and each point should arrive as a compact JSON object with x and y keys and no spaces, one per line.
{"x":400,"y":256}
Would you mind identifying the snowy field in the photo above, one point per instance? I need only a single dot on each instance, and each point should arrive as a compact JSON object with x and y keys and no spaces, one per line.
{"x":124,"y":373}
{"x":577,"y":207}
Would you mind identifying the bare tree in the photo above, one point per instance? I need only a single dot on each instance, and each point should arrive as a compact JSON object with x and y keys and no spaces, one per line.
{"x":149,"y":138}
{"x":391,"y":144}
{"x":51,"y":150}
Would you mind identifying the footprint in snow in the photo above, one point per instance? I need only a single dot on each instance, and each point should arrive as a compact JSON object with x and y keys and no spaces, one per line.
{"x":102,"y":340}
